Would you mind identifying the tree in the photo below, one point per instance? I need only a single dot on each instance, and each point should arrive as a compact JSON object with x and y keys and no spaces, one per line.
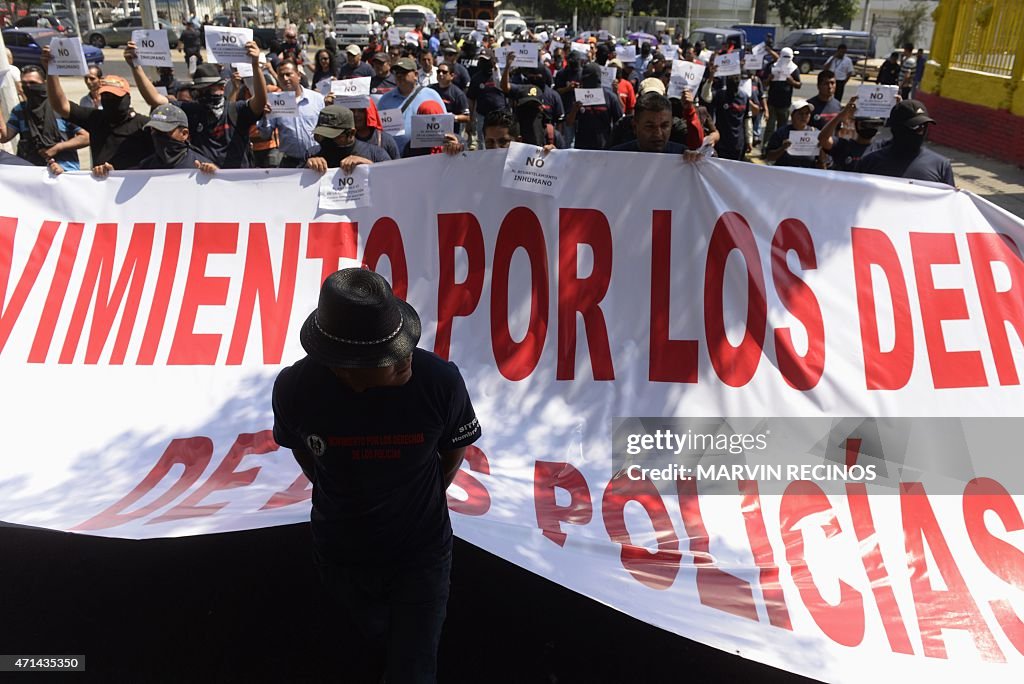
{"x":911,"y":19}
{"x":814,"y":13}
{"x":590,"y":11}
{"x":760,"y":11}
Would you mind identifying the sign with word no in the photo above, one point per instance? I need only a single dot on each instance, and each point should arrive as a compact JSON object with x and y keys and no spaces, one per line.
{"x":226,"y":45}
{"x":152,"y":47}
{"x":283,"y":103}
{"x":68,"y":57}
{"x":875,"y":101}
{"x":353,"y":93}
{"x":428,"y":130}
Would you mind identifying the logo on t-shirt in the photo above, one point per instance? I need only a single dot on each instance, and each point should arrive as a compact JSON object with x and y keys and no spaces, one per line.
{"x":316,"y":445}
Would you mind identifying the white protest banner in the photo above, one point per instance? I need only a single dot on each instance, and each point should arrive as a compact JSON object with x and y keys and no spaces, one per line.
{"x":782,"y":69}
{"x":528,"y":168}
{"x":727,"y":64}
{"x":875,"y":101}
{"x":68,"y":59}
{"x":626,"y":53}
{"x":226,"y":45}
{"x":353,"y":93}
{"x":670,"y":52}
{"x":342,"y":191}
{"x":283,"y":103}
{"x":163,"y":324}
{"x":394,"y":36}
{"x":555,"y":45}
{"x":428,"y":130}
{"x":608,"y":74}
{"x":705,"y":56}
{"x":527,"y":55}
{"x":753,"y":62}
{"x":244,"y":69}
{"x":589,"y":97}
{"x":392,"y":120}
{"x":152,"y":47}
{"x":581,"y":48}
{"x":803,"y":143}
{"x":687,"y":75}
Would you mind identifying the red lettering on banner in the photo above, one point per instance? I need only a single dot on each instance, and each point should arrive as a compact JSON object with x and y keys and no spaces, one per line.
{"x":655,"y":569}
{"x":478,"y":500}
{"x":1003,"y":560}
{"x":299,"y":491}
{"x":800,"y":372}
{"x":583,"y":295}
{"x":57,"y":294}
{"x":193,"y":453}
{"x":949,"y":369}
{"x":188,"y":347}
{"x":937,"y":609}
{"x":735,"y":366}
{"x":457,"y":299}
{"x":331,"y":242}
{"x":670,"y":360}
{"x":764,"y":556}
{"x":96,"y":282}
{"x":874,"y":566}
{"x":716,"y":588}
{"x":41,"y":248}
{"x":520,"y":229}
{"x":843,"y":622}
{"x":548,"y":475}
{"x":162,"y":295}
{"x":999,"y":307}
{"x":258,"y":283}
{"x":891,"y":369}
{"x":224,"y":477}
{"x":386,"y":240}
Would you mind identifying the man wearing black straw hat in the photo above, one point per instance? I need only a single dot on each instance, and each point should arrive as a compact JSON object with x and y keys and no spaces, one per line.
{"x":380,"y":428}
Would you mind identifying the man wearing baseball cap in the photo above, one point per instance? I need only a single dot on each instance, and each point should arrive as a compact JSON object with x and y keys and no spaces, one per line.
{"x":379,"y":427}
{"x":354,"y":67}
{"x":117,"y":139}
{"x":778,"y":145}
{"x":383,"y":81}
{"x":906,"y":156}
{"x":169,"y":127}
{"x":407,"y":96}
{"x":335,"y":132}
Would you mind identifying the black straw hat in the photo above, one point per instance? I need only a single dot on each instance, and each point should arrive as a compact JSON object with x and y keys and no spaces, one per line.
{"x":360,"y":323}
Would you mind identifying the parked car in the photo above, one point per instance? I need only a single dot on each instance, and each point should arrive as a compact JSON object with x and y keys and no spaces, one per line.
{"x":715,"y":38}
{"x":27,"y":45}
{"x":120,"y":32}
{"x":102,"y":11}
{"x":813,"y":47}
{"x":52,"y":22}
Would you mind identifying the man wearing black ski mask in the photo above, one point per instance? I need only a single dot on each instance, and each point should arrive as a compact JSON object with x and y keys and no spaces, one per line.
{"x":44,"y":139}
{"x":169,"y":127}
{"x":905,"y":156}
{"x":339,"y":148}
{"x":117,"y":139}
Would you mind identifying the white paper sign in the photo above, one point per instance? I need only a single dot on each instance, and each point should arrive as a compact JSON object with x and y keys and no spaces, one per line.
{"x":428,"y":130}
{"x":727,"y":64}
{"x":670,"y":52}
{"x":555,"y":45}
{"x":394,"y":36}
{"x":527,"y":55}
{"x":687,"y":74}
{"x":392,"y":120}
{"x":353,"y":93}
{"x":589,"y":97}
{"x":68,"y":57}
{"x":581,"y":48}
{"x":875,"y":101}
{"x":226,"y":44}
{"x":759,"y":50}
{"x":339,"y":190}
{"x":747,"y":87}
{"x":602,"y":35}
{"x":705,"y":56}
{"x":283,"y":103}
{"x":323,"y":86}
{"x":481,"y":25}
{"x":782,"y":69}
{"x":152,"y":47}
{"x":608,"y":76}
{"x":528,"y":168}
{"x":803,"y":143}
{"x":412,"y":39}
{"x":244,"y":69}
{"x":626,"y":53}
{"x":160,"y":89}
{"x":501,"y":56}
{"x":753,"y":62}
{"x":543,"y":37}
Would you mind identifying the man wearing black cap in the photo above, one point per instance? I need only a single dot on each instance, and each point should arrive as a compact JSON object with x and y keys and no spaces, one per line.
{"x":455,"y":101}
{"x":905,"y":156}
{"x":593,"y":124}
{"x":380,"y":428}
{"x":169,"y":127}
{"x":382,"y":81}
{"x":335,"y":133}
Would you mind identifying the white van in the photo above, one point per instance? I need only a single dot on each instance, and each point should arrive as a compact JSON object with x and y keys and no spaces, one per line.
{"x":377,"y":10}
{"x":407,"y":16}
{"x":354,"y":22}
{"x":509,"y":27}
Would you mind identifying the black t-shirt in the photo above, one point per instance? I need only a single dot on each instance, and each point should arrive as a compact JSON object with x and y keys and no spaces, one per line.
{"x":455,"y":102}
{"x":730,"y":111}
{"x":846,"y":154}
{"x":382,"y":84}
{"x":461,"y":76}
{"x":361,"y":70}
{"x":824,"y":111}
{"x":382,"y":139}
{"x":926,"y":165}
{"x":226,"y":143}
{"x":594,"y":124}
{"x":488,"y":95}
{"x":631,"y":146}
{"x":123,"y":146}
{"x":379,"y":491}
{"x":334,"y":155}
{"x":781,"y":135}
{"x":780,"y":93}
{"x":550,"y":100}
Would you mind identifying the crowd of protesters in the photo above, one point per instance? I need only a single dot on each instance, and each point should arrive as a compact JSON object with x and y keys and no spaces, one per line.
{"x":218,"y":120}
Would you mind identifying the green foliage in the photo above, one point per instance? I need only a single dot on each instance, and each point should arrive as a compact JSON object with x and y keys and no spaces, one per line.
{"x":587,"y":8}
{"x":911,"y":20}
{"x":814,"y":13}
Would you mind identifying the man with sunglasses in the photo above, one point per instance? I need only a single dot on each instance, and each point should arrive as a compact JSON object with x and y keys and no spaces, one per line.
{"x":905,"y":156}
{"x":455,"y":101}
